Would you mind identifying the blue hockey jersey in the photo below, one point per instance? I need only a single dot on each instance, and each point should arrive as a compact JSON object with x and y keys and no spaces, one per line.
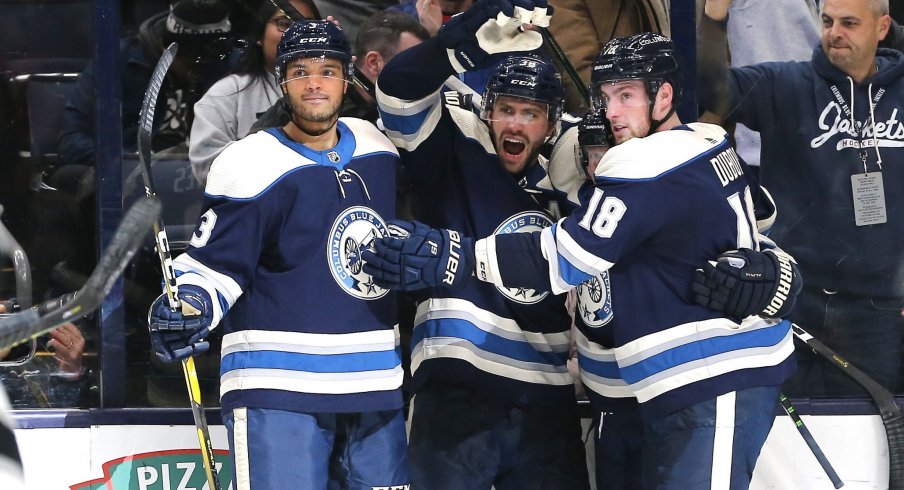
{"x":653,"y":217}
{"x":508,"y":342}
{"x":279,"y":249}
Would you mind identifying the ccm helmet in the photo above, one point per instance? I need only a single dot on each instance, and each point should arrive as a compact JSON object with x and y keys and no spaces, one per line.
{"x":527,"y":77}
{"x":312,"y":39}
{"x":649,"y":57}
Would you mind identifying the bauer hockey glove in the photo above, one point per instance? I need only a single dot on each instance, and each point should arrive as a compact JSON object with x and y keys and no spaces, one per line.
{"x":416,"y":256}
{"x":491,"y":27}
{"x":746,"y":282}
{"x":175,"y":336}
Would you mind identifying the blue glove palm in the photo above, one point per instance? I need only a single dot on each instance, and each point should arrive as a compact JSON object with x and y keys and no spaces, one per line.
{"x":418,"y":257}
{"x":176,"y":336}
{"x":491,"y":27}
{"x":746,"y":282}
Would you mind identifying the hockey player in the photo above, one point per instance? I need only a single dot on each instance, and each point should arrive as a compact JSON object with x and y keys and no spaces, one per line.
{"x":668,"y":197}
{"x":494,"y":402}
{"x":311,"y":372}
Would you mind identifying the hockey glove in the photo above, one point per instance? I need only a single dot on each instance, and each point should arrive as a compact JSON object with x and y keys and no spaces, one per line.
{"x":746,"y":282}
{"x":491,"y":27}
{"x":175,"y":336}
{"x":416,"y":256}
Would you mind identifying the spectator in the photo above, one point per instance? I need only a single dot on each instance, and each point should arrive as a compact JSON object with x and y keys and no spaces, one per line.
{"x":201,"y":28}
{"x":226,"y":112}
{"x":351,"y":14}
{"x":45,"y":381}
{"x":380,"y":38}
{"x":489,"y":363}
{"x":831,"y":134}
{"x":581,"y":27}
{"x":311,"y":373}
{"x":757,"y":35}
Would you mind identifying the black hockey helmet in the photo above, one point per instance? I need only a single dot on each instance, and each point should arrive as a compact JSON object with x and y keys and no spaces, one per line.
{"x":312,"y":39}
{"x":649,"y":57}
{"x":593,"y":130}
{"x":594,"y":134}
{"x":527,"y":77}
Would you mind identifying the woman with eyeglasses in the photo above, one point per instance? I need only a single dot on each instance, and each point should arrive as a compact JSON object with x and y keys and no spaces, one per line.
{"x":227,"y":111}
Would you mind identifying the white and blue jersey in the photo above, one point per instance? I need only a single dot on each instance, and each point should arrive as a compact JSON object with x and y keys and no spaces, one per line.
{"x":278,"y":249}
{"x":508,"y":342}
{"x":652,"y":219}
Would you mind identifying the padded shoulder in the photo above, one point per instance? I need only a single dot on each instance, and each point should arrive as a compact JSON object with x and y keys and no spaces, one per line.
{"x":248,"y":167}
{"x":368,"y":139}
{"x":471,"y":126}
{"x":659,"y":153}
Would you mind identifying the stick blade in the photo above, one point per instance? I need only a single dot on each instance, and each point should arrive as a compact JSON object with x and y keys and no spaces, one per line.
{"x":125,"y":243}
{"x":146,"y":116}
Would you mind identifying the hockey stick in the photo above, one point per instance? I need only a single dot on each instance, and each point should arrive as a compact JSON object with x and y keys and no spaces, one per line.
{"x":811,"y":442}
{"x":11,"y":248}
{"x":22,"y":269}
{"x":128,"y":238}
{"x":146,"y":123}
{"x":564,"y":64}
{"x":884,"y":400}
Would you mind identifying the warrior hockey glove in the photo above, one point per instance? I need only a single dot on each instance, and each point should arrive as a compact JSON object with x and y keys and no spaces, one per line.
{"x":491,"y":27}
{"x":175,"y":336}
{"x":418,"y":257}
{"x":746,"y":282}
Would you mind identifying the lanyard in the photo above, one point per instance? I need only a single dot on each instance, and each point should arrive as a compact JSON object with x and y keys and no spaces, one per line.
{"x":869,"y":123}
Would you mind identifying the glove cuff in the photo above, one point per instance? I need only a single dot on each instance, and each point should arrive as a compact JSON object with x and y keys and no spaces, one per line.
{"x":460,"y":262}
{"x":460,"y":65}
{"x":788,"y":285}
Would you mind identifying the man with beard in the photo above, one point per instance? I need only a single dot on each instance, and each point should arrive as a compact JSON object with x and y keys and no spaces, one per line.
{"x":494,"y":403}
{"x":310,"y":372}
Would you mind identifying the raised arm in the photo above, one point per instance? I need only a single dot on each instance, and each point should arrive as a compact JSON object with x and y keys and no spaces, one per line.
{"x":716,"y":89}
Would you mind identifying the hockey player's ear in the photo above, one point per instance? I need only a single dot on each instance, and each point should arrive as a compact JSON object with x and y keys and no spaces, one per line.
{"x":664,"y":101}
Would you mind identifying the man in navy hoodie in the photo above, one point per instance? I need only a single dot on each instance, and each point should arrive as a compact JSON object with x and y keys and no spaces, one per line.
{"x":832,"y":155}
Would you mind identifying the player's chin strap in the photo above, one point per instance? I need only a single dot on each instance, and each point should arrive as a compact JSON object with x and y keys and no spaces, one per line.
{"x":656,"y":123}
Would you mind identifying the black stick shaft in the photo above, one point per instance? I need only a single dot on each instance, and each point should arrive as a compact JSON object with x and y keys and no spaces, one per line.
{"x":891,"y":414}
{"x":811,"y":442}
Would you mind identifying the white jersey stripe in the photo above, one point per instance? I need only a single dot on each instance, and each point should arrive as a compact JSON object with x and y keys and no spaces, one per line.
{"x":307,"y":382}
{"x":536,"y":373}
{"x":723,"y":442}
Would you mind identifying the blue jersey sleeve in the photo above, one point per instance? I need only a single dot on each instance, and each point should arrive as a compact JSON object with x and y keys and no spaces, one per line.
{"x":231,"y":239}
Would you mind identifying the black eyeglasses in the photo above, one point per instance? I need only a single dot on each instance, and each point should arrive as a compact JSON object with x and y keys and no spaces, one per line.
{"x":282,"y":23}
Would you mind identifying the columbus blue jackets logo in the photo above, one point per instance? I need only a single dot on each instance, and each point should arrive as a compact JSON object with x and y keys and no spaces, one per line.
{"x":354,"y":231}
{"x":594,"y":303}
{"x":525,"y":222}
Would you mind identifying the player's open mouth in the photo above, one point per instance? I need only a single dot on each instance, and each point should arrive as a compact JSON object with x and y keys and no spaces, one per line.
{"x":513,"y":147}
